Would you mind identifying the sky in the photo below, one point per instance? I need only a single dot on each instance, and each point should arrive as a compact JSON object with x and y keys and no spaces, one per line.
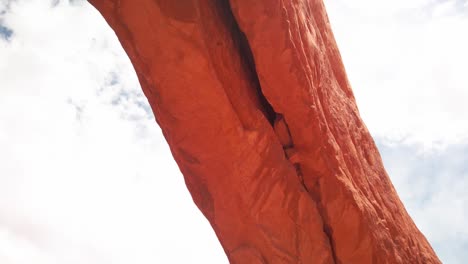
{"x":86,"y":176}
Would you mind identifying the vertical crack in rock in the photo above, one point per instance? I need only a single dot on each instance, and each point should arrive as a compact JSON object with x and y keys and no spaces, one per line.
{"x":284,"y":136}
{"x":246,"y":56}
{"x":277,"y":121}
{"x":316,"y":196}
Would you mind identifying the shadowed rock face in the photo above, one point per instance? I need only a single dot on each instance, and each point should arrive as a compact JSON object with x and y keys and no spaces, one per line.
{"x":254,"y":101}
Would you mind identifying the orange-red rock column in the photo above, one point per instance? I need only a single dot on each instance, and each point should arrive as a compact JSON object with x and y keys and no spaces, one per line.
{"x":300,"y":181}
{"x":303,"y":78}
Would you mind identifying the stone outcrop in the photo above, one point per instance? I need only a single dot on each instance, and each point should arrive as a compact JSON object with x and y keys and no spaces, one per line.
{"x":254,"y":101}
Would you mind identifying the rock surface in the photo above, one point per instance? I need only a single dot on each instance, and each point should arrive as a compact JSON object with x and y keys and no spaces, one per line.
{"x":254,"y":101}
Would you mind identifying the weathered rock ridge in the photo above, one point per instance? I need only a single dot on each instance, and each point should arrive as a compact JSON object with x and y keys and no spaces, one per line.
{"x":254,"y":101}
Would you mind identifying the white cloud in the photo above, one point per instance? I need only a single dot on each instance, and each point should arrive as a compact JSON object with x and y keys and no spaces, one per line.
{"x":85,"y":174}
{"x":407,"y":68}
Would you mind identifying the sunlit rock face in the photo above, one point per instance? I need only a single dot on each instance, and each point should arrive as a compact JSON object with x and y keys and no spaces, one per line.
{"x":254,"y":101}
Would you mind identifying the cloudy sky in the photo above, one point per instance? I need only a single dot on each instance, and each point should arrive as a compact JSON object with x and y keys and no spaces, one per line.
{"x":85,"y":174}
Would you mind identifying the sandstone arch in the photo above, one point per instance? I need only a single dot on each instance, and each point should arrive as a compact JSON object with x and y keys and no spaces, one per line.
{"x":218,"y":75}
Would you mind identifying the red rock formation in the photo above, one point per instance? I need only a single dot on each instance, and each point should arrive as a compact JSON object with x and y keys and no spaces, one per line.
{"x":254,"y":101}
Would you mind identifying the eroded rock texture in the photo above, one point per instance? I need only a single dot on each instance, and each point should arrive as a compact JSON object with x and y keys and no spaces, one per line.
{"x":254,"y":101}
